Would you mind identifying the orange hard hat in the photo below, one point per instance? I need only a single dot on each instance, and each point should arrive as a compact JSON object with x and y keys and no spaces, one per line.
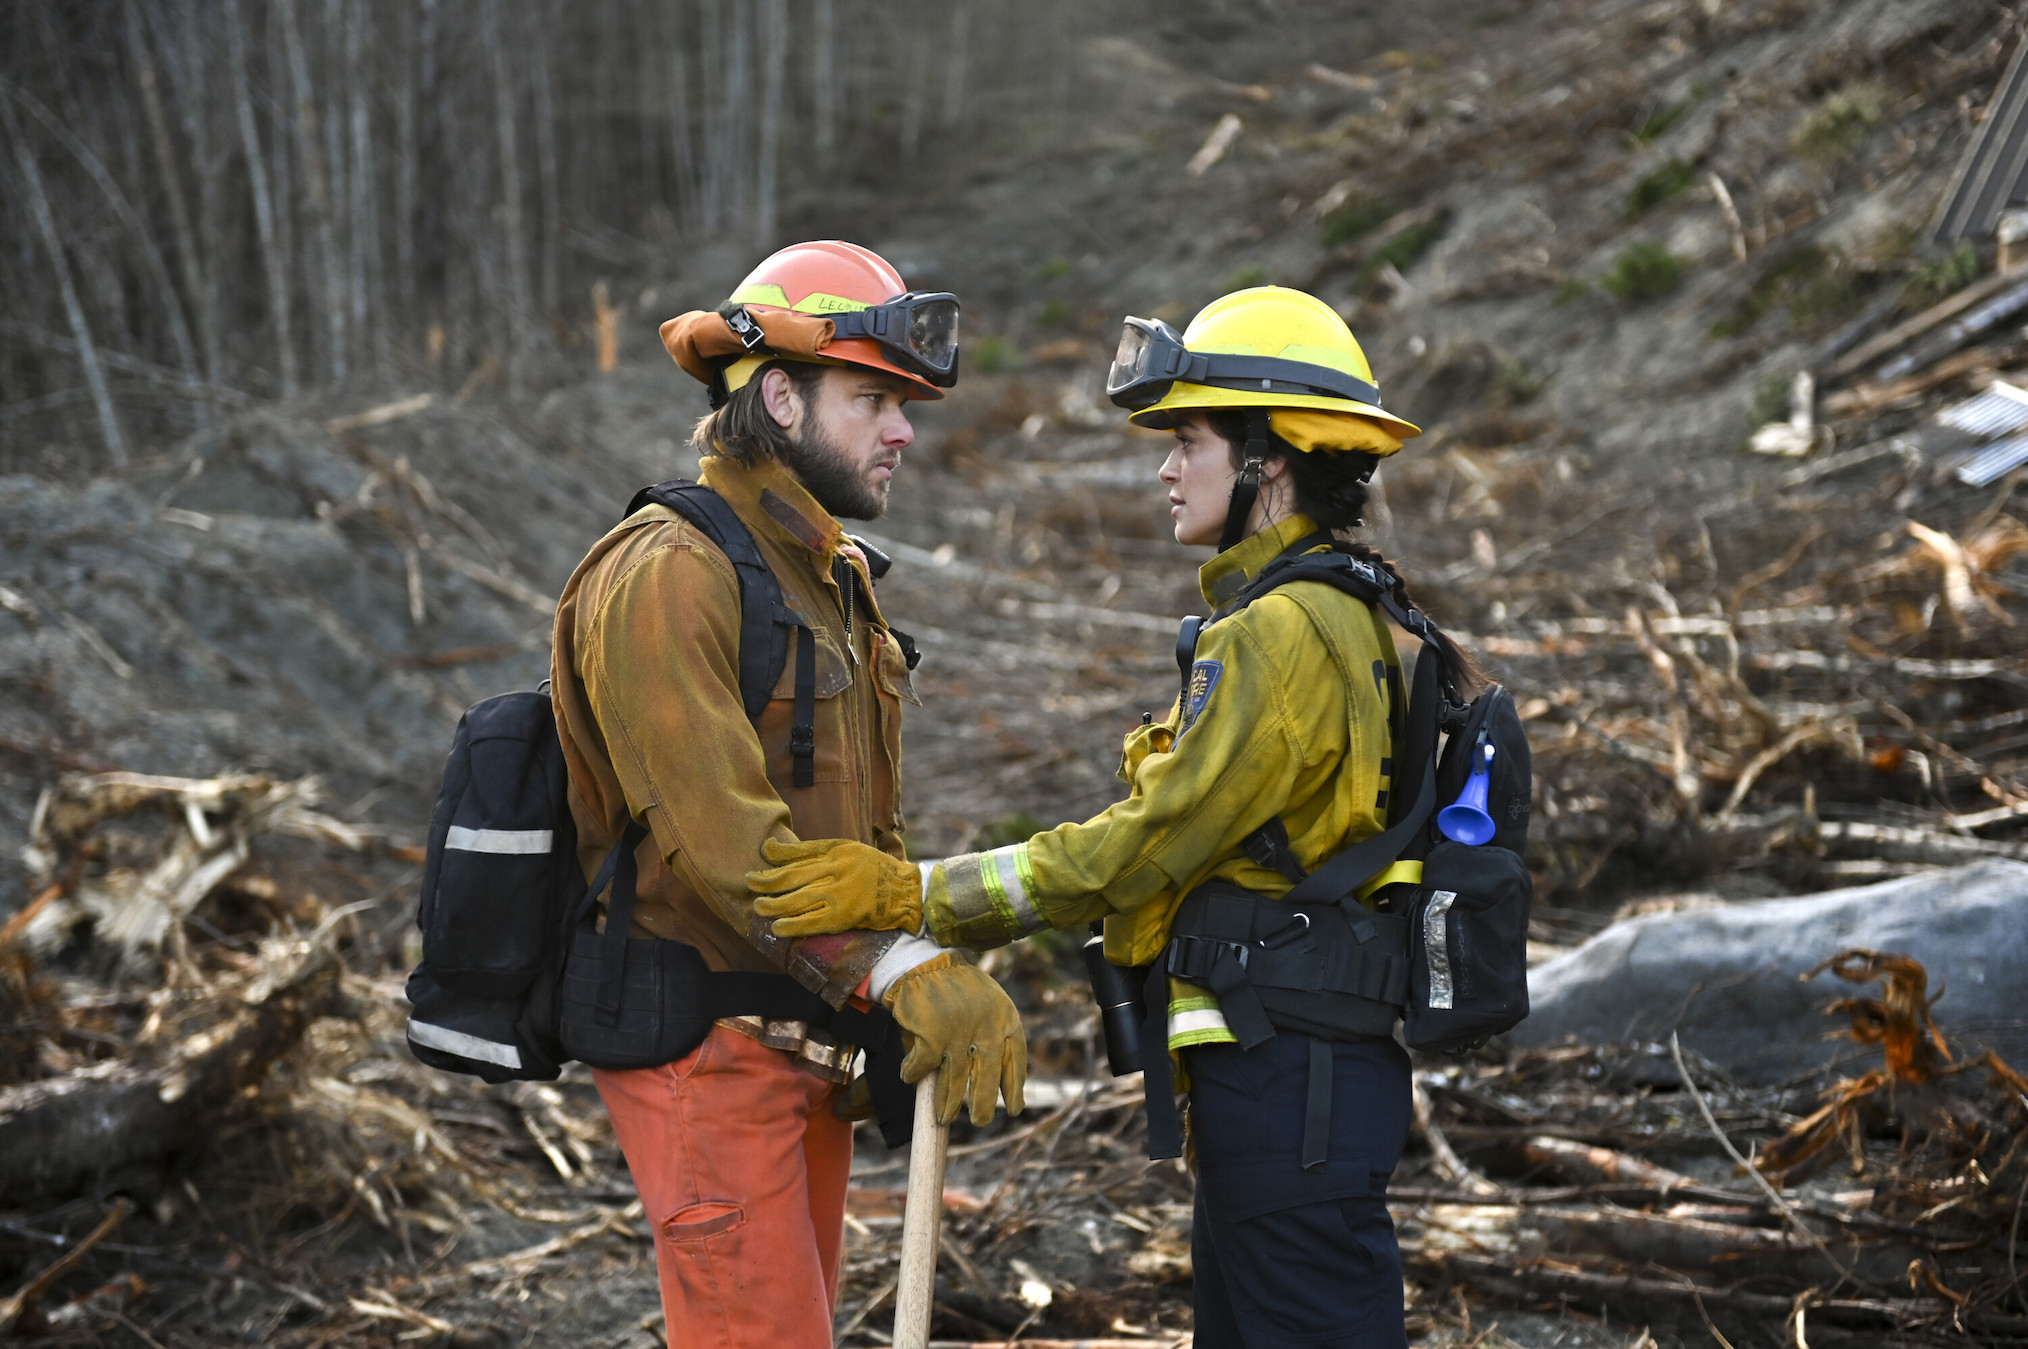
{"x":826,"y":278}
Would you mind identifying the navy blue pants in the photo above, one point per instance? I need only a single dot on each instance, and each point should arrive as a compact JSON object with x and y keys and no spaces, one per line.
{"x":1284,"y":1256}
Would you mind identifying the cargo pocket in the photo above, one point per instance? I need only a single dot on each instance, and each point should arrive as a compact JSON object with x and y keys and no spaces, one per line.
{"x":702,"y":1250}
{"x":699,"y":1221}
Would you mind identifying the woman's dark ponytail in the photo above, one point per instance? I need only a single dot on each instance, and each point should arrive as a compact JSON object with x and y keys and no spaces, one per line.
{"x":1332,"y":490}
{"x":1461,"y":672}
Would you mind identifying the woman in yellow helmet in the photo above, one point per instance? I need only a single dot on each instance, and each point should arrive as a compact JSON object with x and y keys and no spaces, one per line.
{"x":1278,"y":754}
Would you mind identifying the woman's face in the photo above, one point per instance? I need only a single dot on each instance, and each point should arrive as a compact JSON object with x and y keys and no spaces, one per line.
{"x":1199,"y":475}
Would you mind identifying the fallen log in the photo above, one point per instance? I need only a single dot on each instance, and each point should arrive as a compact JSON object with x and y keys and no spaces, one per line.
{"x":1861,"y":356}
{"x":1863,"y":400}
{"x":60,"y":1135}
{"x":1636,"y":1299}
{"x":1703,"y":1245}
{"x":1582,"y":1164}
{"x":1628,"y":1196}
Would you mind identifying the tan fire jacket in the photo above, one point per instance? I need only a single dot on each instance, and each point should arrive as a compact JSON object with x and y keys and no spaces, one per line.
{"x":645,"y":679}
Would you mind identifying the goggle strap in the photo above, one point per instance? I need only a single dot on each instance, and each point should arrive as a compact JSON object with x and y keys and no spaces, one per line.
{"x":1262,"y":373}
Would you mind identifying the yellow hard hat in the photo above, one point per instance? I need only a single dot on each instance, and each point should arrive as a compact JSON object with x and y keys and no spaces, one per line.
{"x":1264,"y":347}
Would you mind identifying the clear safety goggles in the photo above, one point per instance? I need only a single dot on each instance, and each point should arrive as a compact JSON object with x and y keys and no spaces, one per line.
{"x":1151,"y":357}
{"x":919,"y":333}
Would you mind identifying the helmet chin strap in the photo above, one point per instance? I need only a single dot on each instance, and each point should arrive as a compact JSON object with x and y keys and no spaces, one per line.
{"x":1247,"y":490}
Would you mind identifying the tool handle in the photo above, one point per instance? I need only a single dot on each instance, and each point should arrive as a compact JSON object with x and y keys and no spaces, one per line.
{"x":921,"y":1221}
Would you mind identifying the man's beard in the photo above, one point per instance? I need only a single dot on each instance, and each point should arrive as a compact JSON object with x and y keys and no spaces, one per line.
{"x":839,"y":486}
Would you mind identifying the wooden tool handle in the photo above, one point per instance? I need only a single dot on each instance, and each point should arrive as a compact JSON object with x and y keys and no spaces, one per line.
{"x":921,"y":1221}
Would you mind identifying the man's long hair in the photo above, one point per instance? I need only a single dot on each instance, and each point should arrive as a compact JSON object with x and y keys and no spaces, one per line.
{"x":742,"y":428}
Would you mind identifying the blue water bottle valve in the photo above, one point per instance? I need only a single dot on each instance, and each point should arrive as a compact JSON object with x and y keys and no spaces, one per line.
{"x":1465,"y":820}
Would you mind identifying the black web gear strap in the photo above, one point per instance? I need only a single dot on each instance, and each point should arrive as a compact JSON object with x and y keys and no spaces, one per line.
{"x":1247,"y":490}
{"x":803,"y":734}
{"x":764,"y":620}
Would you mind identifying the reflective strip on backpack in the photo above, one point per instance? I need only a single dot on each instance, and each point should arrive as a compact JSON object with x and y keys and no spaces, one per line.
{"x":463,"y":1045}
{"x":516,"y":841}
{"x":1436,"y":947}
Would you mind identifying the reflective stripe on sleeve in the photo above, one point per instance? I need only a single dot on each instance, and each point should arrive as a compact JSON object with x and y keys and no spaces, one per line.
{"x":512,"y":841}
{"x":1197,"y":1021}
{"x":993,"y":887}
{"x":1008,"y":879}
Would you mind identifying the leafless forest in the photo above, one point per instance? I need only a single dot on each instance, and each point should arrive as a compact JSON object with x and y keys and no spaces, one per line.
{"x":211,"y":204}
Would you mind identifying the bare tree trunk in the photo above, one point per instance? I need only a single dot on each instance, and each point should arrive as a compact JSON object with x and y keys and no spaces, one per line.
{"x":405,"y":170}
{"x":711,"y":85}
{"x":172,"y":306}
{"x":518,"y":306}
{"x":545,"y":32}
{"x":188,"y":52}
{"x":331,"y":120}
{"x":264,"y":211}
{"x":774,"y":61}
{"x":316,"y":191}
{"x":649,"y":102}
{"x":432,"y":127}
{"x":172,"y":185}
{"x":689,"y":178}
{"x":739,"y":102}
{"x":365,"y":269}
{"x":73,"y":309}
{"x":282,"y":191}
{"x":956,"y":63}
{"x":824,"y":75}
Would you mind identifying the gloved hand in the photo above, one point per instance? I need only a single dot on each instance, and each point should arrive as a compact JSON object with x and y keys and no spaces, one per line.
{"x":835,"y":885}
{"x":956,"y":1019}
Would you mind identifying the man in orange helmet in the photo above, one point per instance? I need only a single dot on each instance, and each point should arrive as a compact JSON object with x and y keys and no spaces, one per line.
{"x":739,"y":1148}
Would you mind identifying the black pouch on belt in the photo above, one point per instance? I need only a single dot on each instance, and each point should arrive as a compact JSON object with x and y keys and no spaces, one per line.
{"x":640,"y":1002}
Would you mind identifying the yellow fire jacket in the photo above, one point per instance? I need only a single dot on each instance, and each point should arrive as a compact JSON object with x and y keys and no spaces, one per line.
{"x":645,"y":680}
{"x":1287,"y":713}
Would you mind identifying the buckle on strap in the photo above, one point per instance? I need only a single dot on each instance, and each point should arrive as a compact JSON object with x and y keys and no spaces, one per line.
{"x":747,"y":330}
{"x":1193,"y":958}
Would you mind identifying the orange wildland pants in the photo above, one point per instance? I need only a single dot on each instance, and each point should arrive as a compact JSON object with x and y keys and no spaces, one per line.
{"x":742,"y":1169}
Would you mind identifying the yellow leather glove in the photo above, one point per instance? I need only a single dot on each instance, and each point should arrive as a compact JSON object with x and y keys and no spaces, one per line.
{"x":955,"y":1019}
{"x":835,"y":885}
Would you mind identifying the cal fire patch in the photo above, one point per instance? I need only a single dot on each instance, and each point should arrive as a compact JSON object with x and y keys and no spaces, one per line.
{"x":1203,"y":678}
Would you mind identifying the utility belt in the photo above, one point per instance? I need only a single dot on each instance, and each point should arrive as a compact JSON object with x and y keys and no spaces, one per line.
{"x":1333,"y":972}
{"x":640,"y":1002}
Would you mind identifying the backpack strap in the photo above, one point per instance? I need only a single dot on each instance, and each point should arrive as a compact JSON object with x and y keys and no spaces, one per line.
{"x":764,"y":620}
{"x":1270,"y":846}
{"x":1414,"y":736}
{"x":621,"y":870}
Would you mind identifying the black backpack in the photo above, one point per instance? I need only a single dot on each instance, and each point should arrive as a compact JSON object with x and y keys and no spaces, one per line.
{"x":1446,"y":953}
{"x":515,"y":979}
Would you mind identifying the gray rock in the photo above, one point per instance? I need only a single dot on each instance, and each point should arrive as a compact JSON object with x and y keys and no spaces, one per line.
{"x":1728,"y":978}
